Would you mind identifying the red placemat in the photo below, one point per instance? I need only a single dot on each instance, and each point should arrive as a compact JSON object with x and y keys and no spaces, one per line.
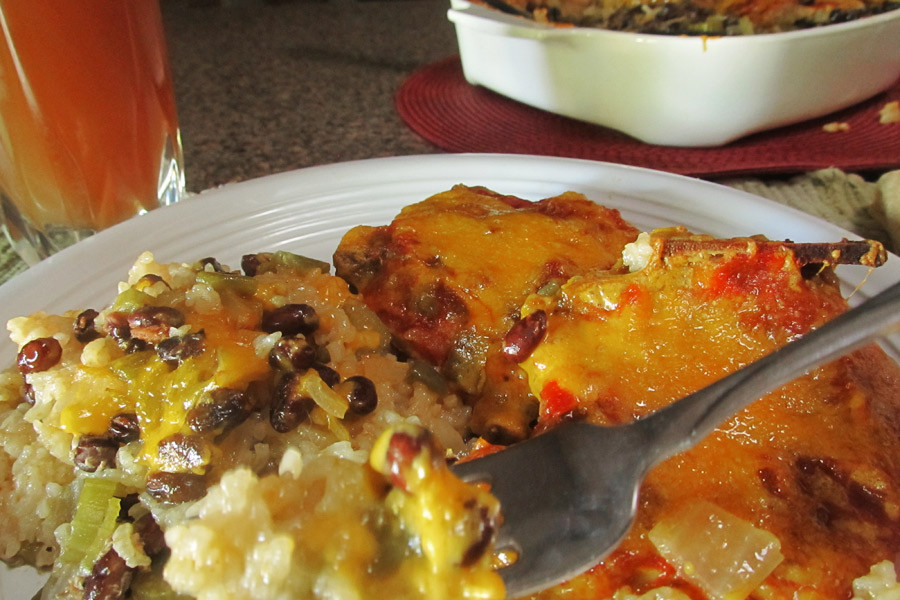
{"x":441,"y":106}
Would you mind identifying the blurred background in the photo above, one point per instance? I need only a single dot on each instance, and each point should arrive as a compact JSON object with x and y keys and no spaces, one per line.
{"x":265,"y":86}
{"x":268,"y":86}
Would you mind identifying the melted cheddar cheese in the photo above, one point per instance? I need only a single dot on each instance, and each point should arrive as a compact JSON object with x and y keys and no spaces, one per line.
{"x":814,"y":464}
{"x":449,"y":274}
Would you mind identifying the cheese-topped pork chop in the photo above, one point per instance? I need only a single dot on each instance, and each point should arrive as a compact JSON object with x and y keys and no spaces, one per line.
{"x":449,"y":275}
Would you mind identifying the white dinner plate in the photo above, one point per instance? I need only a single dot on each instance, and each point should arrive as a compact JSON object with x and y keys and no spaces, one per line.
{"x":307,"y":211}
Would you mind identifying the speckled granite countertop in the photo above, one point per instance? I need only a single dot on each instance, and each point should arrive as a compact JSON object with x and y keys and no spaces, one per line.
{"x":265,"y":86}
{"x":268,"y":87}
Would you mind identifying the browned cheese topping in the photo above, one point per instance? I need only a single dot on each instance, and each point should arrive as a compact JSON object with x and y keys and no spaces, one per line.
{"x":813,"y":467}
{"x":449,"y":274}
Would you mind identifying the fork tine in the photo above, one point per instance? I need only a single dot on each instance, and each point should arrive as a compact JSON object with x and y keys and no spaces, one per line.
{"x":555,"y":518}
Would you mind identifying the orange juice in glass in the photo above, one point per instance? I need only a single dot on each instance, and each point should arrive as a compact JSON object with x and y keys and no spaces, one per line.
{"x":88,"y":128}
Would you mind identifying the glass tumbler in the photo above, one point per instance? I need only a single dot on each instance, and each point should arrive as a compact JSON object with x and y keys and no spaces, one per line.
{"x":88,"y":129}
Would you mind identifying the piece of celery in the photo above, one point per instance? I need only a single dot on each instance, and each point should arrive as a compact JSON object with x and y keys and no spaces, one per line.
{"x":94,"y":522}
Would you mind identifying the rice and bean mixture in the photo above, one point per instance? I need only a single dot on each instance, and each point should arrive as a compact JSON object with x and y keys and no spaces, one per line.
{"x":235,"y":434}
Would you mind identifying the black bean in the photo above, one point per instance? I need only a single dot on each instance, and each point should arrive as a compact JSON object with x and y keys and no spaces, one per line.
{"x":169,"y":349}
{"x":109,"y":579}
{"x":259,"y":394}
{"x":84,"y":328}
{"x":227,"y":407}
{"x":250,"y":263}
{"x":93,"y":453}
{"x":290,"y":406}
{"x":328,"y":375}
{"x":117,"y":325}
{"x":216,"y":265}
{"x":290,"y":319}
{"x":175,"y":488}
{"x":204,"y":418}
{"x":148,"y":280}
{"x":174,"y":350}
{"x":39,"y":355}
{"x":137,"y":345}
{"x":156,"y":316}
{"x":524,"y":336}
{"x":292,"y":354}
{"x":361,"y":393}
{"x":152,"y":537}
{"x":124,"y":428}
{"x":126,"y":503}
{"x":182,"y":451}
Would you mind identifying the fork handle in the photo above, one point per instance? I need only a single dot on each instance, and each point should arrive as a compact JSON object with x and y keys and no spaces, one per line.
{"x":681,"y":425}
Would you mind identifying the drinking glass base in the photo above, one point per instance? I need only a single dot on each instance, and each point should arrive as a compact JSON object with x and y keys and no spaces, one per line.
{"x":31,"y":244}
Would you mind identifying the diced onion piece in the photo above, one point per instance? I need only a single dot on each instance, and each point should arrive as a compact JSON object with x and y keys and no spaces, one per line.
{"x":726,"y":556}
{"x":636,"y":255}
{"x":334,"y":404}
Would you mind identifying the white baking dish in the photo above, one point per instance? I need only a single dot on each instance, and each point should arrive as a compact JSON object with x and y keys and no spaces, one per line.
{"x":678,"y":91}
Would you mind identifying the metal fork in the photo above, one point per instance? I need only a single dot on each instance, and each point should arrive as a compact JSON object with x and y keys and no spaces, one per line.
{"x":569,"y":496}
